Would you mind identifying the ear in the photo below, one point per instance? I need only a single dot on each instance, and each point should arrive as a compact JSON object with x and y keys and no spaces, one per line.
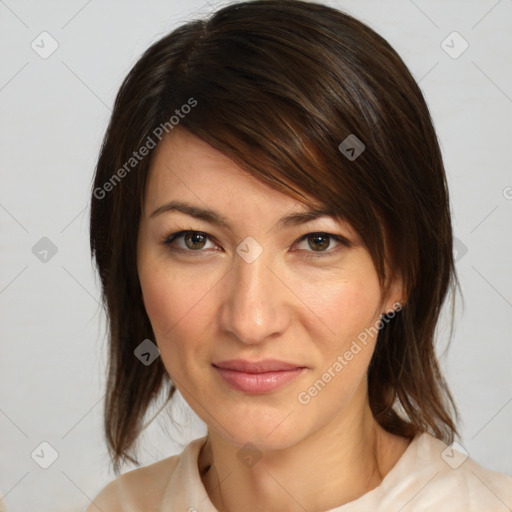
{"x":396,"y":296}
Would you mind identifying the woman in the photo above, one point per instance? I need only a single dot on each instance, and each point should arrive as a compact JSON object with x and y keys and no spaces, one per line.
{"x":270,"y":220}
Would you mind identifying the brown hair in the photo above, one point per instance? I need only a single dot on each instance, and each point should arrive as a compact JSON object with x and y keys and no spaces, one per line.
{"x":277,"y":85}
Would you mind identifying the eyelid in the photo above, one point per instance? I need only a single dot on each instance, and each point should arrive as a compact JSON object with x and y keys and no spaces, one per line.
{"x":341,"y":240}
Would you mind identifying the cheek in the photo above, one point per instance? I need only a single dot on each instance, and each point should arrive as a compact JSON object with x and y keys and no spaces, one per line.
{"x":165,"y":306}
{"x":175,"y":303}
{"x":160,"y":301}
{"x":169,"y":296}
{"x":350,"y":309}
{"x":347,"y":305}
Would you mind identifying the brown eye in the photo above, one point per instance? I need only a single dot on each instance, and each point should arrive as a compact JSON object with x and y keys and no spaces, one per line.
{"x":193,"y":241}
{"x":318,"y":244}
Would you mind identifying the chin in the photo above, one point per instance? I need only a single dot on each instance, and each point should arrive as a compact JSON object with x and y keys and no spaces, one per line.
{"x":275,"y":431}
{"x":262,"y":441}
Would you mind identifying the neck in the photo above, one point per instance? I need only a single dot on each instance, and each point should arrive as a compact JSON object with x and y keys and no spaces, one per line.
{"x":333,"y":466}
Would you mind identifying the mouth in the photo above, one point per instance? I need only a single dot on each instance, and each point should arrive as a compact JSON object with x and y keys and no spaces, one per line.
{"x":257,"y":377}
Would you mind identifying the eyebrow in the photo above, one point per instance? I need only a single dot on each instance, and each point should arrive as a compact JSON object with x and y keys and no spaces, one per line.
{"x":212,"y":217}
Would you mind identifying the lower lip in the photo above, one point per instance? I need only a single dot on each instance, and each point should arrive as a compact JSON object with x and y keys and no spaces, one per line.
{"x":258,"y":382}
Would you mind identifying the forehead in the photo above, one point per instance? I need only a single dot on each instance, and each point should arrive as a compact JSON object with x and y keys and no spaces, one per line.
{"x":185,"y":166}
{"x":190,"y":176}
{"x":182,"y":159}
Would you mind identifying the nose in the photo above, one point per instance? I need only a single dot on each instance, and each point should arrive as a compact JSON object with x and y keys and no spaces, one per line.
{"x":255,"y":306}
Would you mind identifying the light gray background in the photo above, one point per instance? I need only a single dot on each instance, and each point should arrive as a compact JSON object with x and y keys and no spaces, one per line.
{"x":53,"y":114}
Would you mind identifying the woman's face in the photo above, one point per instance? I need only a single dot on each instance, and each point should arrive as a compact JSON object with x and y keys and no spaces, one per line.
{"x":253,"y":289}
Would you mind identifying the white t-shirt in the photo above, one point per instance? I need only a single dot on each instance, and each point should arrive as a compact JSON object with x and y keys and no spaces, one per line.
{"x":429,"y":476}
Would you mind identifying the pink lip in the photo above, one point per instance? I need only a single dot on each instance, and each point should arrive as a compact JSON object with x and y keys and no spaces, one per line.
{"x":257,"y":377}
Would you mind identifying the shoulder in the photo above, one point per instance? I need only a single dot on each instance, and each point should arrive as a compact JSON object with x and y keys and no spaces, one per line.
{"x":138,"y":489}
{"x":452,"y":480}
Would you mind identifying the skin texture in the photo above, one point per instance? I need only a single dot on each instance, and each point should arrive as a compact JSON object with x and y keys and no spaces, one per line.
{"x":209,"y":305}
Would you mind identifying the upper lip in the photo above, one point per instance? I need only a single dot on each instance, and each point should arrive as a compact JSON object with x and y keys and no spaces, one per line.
{"x":265,"y":365}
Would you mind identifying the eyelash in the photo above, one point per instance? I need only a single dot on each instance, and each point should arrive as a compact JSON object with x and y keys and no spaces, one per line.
{"x":169,"y":239}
